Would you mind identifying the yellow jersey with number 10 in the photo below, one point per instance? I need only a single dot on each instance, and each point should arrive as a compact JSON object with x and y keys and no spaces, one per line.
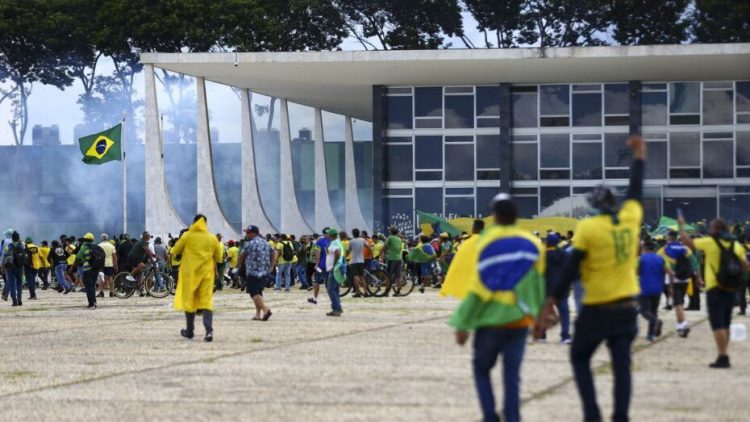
{"x":608,"y":269}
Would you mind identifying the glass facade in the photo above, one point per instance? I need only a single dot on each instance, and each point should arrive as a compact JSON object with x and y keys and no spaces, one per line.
{"x":444,"y":154}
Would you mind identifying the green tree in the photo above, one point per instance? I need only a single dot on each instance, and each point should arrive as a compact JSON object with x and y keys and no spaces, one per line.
{"x":719,"y":21}
{"x":639,"y":22}
{"x":504,"y":18}
{"x":567,"y":23}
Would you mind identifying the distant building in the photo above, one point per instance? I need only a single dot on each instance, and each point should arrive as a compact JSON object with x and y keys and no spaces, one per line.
{"x":45,"y":135}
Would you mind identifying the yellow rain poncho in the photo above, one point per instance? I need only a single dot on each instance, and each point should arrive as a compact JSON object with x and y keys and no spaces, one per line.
{"x":200,"y":252}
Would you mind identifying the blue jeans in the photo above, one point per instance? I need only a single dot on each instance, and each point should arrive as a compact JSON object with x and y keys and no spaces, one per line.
{"x":284,"y":271}
{"x":31,"y":280}
{"x":301,"y":271}
{"x":564,"y":310}
{"x":488,"y":344}
{"x":332,"y":286}
{"x":60,"y":275}
{"x":14,"y":283}
{"x":618,"y":328}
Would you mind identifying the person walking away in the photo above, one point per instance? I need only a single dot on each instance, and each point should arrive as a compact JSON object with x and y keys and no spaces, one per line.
{"x":336,"y":270}
{"x":423,"y":255}
{"x":84,"y":259}
{"x":221,"y":266}
{"x":7,"y":234}
{"x":505,"y":293}
{"x":32,"y":267}
{"x":123,"y":251}
{"x":321,"y":274}
{"x":742,"y":291}
{"x":555,"y":259}
{"x":14,"y":261}
{"x":287,"y":259}
{"x":652,"y":269}
{"x":725,"y":264}
{"x":394,"y":258}
{"x":605,"y":250}
{"x":233,"y":252}
{"x":300,"y":268}
{"x":357,"y":248}
{"x":684,"y":265}
{"x":59,"y":261}
{"x":44,"y":271}
{"x":258,"y":257}
{"x":160,"y":252}
{"x":110,"y":265}
{"x":200,"y":252}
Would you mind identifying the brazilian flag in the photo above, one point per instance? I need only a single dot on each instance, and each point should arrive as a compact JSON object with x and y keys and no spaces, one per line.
{"x":102,"y":147}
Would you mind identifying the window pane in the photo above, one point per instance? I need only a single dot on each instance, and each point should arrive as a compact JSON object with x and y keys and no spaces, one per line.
{"x":616,"y":99}
{"x":555,"y":201}
{"x":484,"y":196}
{"x":717,"y":107}
{"x":656,"y":165}
{"x":734,"y":207}
{"x":459,"y":111}
{"x":399,"y":159}
{"x":399,"y":212}
{"x":654,"y":108}
{"x":428,"y":175}
{"x":428,"y":101}
{"x":685,"y":149}
{"x":716,"y":159}
{"x":743,"y":148}
{"x":527,"y":206}
{"x":456,"y":207}
{"x":429,"y":200}
{"x":587,"y":109}
{"x":555,"y":151}
{"x":684,"y":97}
{"x":524,"y":110}
{"x":525,"y":162}
{"x":743,"y":96}
{"x":428,"y":152}
{"x":459,"y":164}
{"x":587,"y":161}
{"x":616,"y":153}
{"x":554,"y":99}
{"x":488,"y":151}
{"x":488,"y":101}
{"x":398,"y":114}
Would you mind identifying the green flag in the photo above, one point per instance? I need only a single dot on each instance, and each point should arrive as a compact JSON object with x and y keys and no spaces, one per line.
{"x":438,"y":224}
{"x":101,"y":147}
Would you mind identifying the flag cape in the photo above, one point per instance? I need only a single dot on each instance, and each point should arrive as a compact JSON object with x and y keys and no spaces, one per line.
{"x":102,"y":147}
{"x":457,"y":279}
{"x":667,"y":224}
{"x":339,"y":267}
{"x":419,"y":256}
{"x":436,"y":224}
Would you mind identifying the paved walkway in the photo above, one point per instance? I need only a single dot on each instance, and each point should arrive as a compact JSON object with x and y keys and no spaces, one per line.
{"x":385,"y":359}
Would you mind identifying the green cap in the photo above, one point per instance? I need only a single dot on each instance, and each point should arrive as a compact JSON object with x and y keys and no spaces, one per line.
{"x":332,"y":232}
{"x":28,"y":240}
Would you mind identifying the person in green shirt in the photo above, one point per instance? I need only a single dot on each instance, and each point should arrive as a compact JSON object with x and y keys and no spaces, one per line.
{"x":89,"y":274}
{"x":393,"y":249}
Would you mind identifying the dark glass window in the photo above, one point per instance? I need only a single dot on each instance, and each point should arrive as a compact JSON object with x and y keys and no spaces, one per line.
{"x":428,"y":152}
{"x":461,"y":206}
{"x":587,"y":161}
{"x":684,"y":97}
{"x":428,"y":175}
{"x":525,"y":110}
{"x":743,"y":96}
{"x":716,"y":158}
{"x":656,"y":165}
{"x":488,"y":174}
{"x":743,"y":148}
{"x":554,"y":174}
{"x":459,"y":111}
{"x":685,"y":149}
{"x":587,"y":109}
{"x":459,"y":164}
{"x":459,"y":139}
{"x":398,"y":113}
{"x":484,"y":196}
{"x":616,"y":153}
{"x":488,"y":101}
{"x":554,"y":151}
{"x":428,"y":102}
{"x":527,"y":206}
{"x":555,"y":200}
{"x":429,"y":200}
{"x":428,"y":123}
{"x":734,"y":207}
{"x":488,"y":151}
{"x":554,"y":99}
{"x":399,"y":159}
{"x":694,"y":207}
{"x":717,"y":107}
{"x":654,"y":108}
{"x":398,"y":139}
{"x":399,"y":212}
{"x":616,"y":99}
{"x":525,"y":162}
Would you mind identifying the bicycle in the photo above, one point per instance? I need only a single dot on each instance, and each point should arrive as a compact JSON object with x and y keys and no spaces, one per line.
{"x":148,"y":280}
{"x":377,"y":280}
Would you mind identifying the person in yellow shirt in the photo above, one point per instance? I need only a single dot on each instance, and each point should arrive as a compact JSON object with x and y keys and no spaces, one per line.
{"x":44,"y":272}
{"x":377,"y":247}
{"x":221,"y":266}
{"x":31,"y":270}
{"x":287,"y":258}
{"x":233,"y":252}
{"x":721,"y":277}
{"x":605,"y":252}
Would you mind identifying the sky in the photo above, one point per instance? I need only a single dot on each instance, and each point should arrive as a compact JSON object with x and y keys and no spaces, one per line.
{"x":49,"y":105}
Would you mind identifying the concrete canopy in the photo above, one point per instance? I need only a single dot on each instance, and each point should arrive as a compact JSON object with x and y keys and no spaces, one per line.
{"x":341,"y":81}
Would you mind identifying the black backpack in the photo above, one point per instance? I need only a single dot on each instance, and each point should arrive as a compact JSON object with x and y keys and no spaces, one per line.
{"x":96,"y":257}
{"x":730,"y":271}
{"x":21,"y":258}
{"x":682,"y":268}
{"x":287,"y":252}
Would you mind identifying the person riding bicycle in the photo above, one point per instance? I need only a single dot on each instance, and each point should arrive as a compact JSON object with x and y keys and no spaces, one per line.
{"x":137,"y":258}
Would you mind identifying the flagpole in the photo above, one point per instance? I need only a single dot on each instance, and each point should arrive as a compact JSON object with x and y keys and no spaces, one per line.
{"x":123,"y":142}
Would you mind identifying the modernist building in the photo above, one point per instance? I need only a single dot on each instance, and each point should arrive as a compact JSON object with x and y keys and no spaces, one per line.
{"x":450,"y":128}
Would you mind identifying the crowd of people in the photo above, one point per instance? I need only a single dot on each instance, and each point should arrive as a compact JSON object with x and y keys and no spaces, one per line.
{"x":511,"y":283}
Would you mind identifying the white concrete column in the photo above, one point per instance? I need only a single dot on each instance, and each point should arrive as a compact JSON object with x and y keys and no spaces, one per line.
{"x":161,"y":217}
{"x":353,"y":212}
{"x":292,"y":221}
{"x":324,"y":216}
{"x":252,"y":207}
{"x":208,"y":200}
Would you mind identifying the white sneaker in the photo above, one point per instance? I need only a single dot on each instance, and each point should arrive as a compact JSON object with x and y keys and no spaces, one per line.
{"x":566,"y":341}
{"x":129,"y":278}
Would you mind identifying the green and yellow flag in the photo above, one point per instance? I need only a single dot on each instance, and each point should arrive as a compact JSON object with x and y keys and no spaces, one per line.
{"x":101,"y":147}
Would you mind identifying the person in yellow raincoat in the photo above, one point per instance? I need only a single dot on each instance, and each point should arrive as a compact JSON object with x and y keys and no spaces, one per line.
{"x":200,"y":252}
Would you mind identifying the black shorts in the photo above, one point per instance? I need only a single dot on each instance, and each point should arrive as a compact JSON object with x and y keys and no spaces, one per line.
{"x":134,"y":263}
{"x":109,"y":271}
{"x":357,"y":270}
{"x":679,"y":290}
{"x":255,"y":285}
{"x":720,"y":304}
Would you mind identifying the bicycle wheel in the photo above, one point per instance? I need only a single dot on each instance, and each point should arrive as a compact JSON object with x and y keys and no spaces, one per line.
{"x":406,"y":284}
{"x":346,"y":286}
{"x":122,"y":287}
{"x":378,"y":283}
{"x":158,"y":290}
